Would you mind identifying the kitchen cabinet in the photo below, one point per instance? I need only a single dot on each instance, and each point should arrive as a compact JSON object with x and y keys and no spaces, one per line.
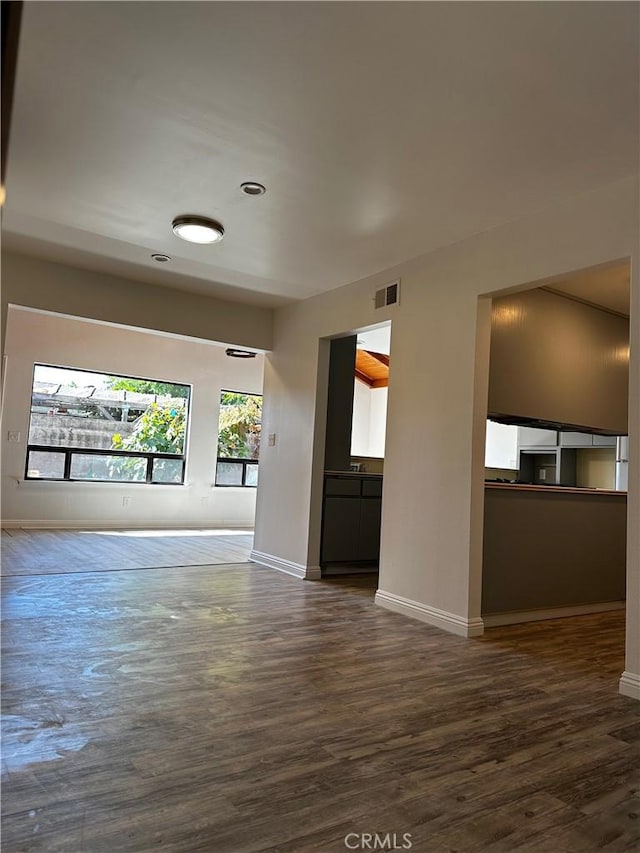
{"x":547,"y":457}
{"x":552,"y":466}
{"x":546,"y":548}
{"x":534,"y":437}
{"x":604,"y":440}
{"x":586,"y":439}
{"x":369,"y":532}
{"x":576,"y":439}
{"x":351,"y":515}
{"x":535,"y":372}
{"x":340,"y":529}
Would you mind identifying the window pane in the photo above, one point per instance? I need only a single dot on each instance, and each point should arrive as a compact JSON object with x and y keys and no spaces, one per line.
{"x":46,"y":465}
{"x":167,"y":470}
{"x":85,"y":466}
{"x":252,"y":475}
{"x":229,"y":474}
{"x":239,"y":425}
{"x":101,"y":411}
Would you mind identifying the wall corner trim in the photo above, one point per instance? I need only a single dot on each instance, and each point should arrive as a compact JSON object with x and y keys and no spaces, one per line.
{"x":451,"y":622}
{"x":630,"y":684}
{"x":298,"y":570}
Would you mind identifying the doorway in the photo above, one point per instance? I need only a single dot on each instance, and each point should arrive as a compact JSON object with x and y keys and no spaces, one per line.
{"x":358,"y":380}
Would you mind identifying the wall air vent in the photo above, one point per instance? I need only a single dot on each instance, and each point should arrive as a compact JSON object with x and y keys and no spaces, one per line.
{"x":388,"y":295}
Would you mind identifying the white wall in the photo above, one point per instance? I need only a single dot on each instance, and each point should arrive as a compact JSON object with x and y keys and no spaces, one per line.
{"x":83,"y":293}
{"x":369,"y":422}
{"x":378,"y":421}
{"x":360,"y":422}
{"x":501,"y":449}
{"x":38,"y":337}
{"x":431,"y":552}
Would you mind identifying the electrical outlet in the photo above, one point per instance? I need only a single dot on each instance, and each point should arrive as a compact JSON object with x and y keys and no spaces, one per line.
{"x":542,"y":474}
{"x":272,"y":439}
{"x":13,"y":435}
{"x":126,"y":501}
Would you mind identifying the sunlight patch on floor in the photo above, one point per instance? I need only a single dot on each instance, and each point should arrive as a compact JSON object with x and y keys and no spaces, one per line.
{"x":166,"y":533}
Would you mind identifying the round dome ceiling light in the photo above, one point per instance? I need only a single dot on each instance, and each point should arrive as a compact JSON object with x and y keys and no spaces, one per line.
{"x":253,"y":188}
{"x":197,"y":229}
{"x":160,"y":258}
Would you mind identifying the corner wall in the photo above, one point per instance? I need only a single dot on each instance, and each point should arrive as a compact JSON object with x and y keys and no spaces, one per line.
{"x":433,"y":485}
{"x":36,"y":337}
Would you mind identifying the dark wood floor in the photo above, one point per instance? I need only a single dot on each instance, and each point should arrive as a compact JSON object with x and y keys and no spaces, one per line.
{"x":43,"y":552}
{"x":235,"y":709}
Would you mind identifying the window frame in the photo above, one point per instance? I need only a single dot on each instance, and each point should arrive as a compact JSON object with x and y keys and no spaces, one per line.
{"x":69,"y":452}
{"x":245,"y":462}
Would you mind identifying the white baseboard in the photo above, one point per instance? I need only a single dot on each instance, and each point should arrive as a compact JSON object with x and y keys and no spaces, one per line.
{"x":451,"y":622}
{"x":630,"y":685}
{"x":298,"y":570}
{"x":122,"y":524}
{"x":495,"y":620}
{"x":314,"y":573}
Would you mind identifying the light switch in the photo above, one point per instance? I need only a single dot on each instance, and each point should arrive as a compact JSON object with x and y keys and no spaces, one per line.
{"x":272,"y":439}
{"x":13,"y":435}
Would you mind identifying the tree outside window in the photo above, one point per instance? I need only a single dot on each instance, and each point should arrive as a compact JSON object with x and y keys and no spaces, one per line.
{"x":238,"y":439}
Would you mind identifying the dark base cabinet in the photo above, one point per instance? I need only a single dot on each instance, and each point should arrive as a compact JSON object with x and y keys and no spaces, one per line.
{"x":351,"y":520}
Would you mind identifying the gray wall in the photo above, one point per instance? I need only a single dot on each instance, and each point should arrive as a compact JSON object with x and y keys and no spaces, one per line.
{"x":545,"y":549}
{"x":342,"y":363}
{"x":559,"y":360}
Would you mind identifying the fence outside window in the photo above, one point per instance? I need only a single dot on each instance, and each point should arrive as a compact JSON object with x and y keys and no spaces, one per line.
{"x":90,"y":426}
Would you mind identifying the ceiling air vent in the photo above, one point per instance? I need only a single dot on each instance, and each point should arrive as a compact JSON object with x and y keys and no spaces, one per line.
{"x":388,"y":295}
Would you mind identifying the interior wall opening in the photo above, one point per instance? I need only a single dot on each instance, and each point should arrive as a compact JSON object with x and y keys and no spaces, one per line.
{"x":119,"y":427}
{"x":556,"y":451}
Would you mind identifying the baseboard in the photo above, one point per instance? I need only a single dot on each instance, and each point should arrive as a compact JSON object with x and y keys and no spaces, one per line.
{"x":314,"y":573}
{"x":451,"y":622}
{"x":298,"y":570}
{"x":122,"y":524}
{"x":496,"y":620}
{"x":335,"y":571}
{"x":630,"y":685}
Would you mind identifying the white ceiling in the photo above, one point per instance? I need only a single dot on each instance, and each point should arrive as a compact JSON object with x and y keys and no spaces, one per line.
{"x":382,"y":130}
{"x":376,"y":340}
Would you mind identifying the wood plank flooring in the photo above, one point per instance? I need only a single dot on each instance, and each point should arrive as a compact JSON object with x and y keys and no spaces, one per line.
{"x":232,"y":709}
{"x":38,"y":552}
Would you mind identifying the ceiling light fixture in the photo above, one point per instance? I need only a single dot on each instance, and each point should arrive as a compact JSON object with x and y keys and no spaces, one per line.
{"x":160,"y":258}
{"x":240,"y":353}
{"x":197,"y":229}
{"x":253,"y":188}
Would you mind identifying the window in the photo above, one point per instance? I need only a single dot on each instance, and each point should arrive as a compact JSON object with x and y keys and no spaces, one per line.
{"x":238,"y":439}
{"x":106,"y":428}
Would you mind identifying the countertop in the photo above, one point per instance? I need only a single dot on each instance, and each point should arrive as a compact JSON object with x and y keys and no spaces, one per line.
{"x":358,"y":474}
{"x":572,"y":490}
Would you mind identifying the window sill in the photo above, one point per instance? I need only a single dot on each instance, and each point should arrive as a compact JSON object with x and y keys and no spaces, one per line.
{"x":96,"y":484}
